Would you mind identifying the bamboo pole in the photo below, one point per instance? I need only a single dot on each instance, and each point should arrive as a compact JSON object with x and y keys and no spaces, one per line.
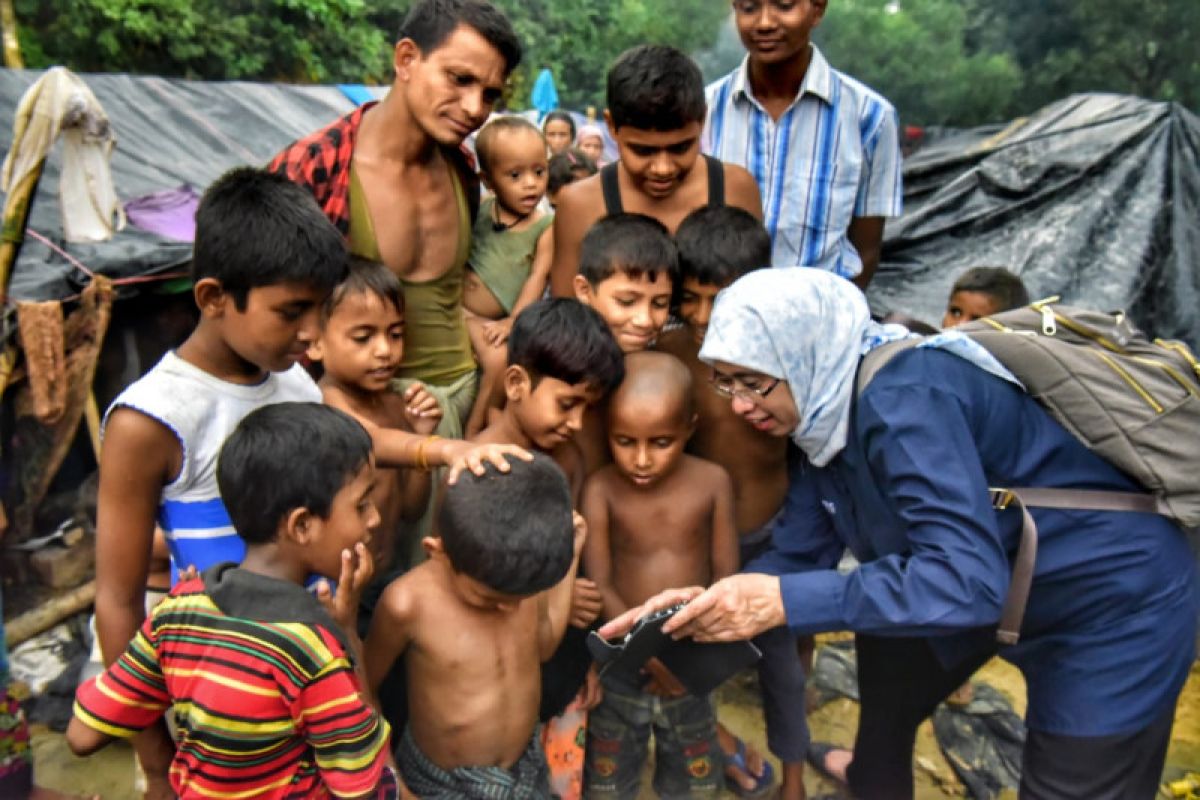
{"x":49,"y":614}
{"x":12,"y":44}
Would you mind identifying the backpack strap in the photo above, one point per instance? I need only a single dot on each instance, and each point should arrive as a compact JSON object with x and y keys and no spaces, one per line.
{"x":1013,"y":612}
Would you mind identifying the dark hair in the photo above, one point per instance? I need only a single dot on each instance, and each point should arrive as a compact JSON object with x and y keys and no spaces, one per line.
{"x":718,"y":245}
{"x":485,"y":140}
{"x":655,"y":88}
{"x":365,"y":277}
{"x":558,"y":115}
{"x":563,"y":165}
{"x":511,"y":531}
{"x":430,"y":22}
{"x":634,"y":244}
{"x":285,"y":456}
{"x":566,"y":340}
{"x":1003,"y":286}
{"x":257,"y":229}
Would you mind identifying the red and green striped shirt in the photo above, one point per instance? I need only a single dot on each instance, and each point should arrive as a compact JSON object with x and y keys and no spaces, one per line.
{"x":265,"y":707}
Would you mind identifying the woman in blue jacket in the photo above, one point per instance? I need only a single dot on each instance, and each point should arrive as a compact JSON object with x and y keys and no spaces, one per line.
{"x":900,"y":476}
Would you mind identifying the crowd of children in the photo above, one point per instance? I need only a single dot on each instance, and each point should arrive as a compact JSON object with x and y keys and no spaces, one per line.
{"x":601,"y":465}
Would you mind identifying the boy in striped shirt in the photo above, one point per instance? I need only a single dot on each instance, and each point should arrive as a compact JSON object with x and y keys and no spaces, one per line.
{"x":262,"y":677}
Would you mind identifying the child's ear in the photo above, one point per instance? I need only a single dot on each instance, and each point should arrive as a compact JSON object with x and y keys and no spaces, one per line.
{"x":315,"y":352}
{"x":608,"y":123}
{"x":300,"y":526}
{"x":211,"y":297}
{"x":433,"y":547}
{"x":583,"y":290}
{"x":517,"y":383}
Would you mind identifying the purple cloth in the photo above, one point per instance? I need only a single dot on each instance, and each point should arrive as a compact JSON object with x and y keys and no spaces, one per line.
{"x":170,"y":213}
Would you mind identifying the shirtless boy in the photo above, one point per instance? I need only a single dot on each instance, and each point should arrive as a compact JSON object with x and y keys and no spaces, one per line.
{"x":657,"y":515}
{"x":474,"y":623}
{"x":716,"y":247}
{"x":393,"y":179}
{"x":655,"y":114}
{"x":360,"y":345}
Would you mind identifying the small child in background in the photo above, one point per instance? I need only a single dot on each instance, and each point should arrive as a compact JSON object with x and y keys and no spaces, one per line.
{"x":512,"y":246}
{"x":981,"y":292}
{"x":628,"y":269}
{"x":559,"y":129}
{"x":258,"y":673}
{"x":591,"y":141}
{"x":657,"y":518}
{"x":360,"y":345}
{"x":473,"y":624}
{"x":567,"y":167}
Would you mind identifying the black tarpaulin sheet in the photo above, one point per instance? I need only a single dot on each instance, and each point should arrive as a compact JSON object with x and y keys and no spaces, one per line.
{"x":1095,"y":198}
{"x":169,"y":132}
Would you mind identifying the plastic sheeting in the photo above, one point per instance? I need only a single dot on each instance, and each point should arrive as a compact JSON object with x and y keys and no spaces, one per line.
{"x":169,"y":132}
{"x":1095,"y":198}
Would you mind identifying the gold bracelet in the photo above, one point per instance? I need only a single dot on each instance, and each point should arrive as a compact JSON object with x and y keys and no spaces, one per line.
{"x":422,"y":456}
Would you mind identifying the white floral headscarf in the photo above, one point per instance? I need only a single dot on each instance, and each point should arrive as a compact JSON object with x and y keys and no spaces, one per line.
{"x":807,"y":327}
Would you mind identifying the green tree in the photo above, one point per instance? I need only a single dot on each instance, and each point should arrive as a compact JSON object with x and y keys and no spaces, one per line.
{"x":307,"y":41}
{"x":915,"y":52}
{"x":1147,"y":48}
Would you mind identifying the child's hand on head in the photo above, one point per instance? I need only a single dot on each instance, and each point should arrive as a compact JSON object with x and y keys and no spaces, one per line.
{"x":475,"y":458}
{"x":421,"y":409}
{"x":496,"y":332}
{"x":357,"y":570}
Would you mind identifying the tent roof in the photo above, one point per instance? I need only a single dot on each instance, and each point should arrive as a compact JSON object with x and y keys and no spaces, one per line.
{"x":169,"y":132}
{"x":1095,"y":198}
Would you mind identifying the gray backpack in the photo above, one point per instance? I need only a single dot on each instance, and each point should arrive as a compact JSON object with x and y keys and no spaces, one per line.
{"x":1134,"y":402}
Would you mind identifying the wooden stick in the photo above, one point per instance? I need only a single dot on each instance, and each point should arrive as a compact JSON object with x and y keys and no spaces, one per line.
{"x":49,"y":614}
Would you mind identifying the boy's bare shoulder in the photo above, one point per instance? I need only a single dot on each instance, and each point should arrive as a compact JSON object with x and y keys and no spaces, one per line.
{"x":579,"y":203}
{"x":679,"y":343}
{"x":742,"y":190}
{"x":389,"y":413}
{"x":702,"y":473}
{"x":404,"y":597}
{"x":603,"y":482}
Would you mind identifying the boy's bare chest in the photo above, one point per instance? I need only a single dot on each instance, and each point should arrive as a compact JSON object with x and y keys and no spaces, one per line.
{"x":680,"y":522}
{"x":475,"y":643}
{"x":416,"y":219}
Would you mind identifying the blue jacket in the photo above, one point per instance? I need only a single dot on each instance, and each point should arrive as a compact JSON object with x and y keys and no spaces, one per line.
{"x":1109,"y":633}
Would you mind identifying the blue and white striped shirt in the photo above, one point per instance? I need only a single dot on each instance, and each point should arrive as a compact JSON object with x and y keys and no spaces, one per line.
{"x":832,"y":156}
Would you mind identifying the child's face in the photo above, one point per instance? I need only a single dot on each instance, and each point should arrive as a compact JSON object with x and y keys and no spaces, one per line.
{"x":657,"y":161}
{"x":517,"y":171}
{"x":362,"y":342}
{"x":593,"y":146}
{"x":558,"y":135}
{"x":968,"y":306}
{"x":352,"y":519}
{"x":647,"y":437}
{"x":696,"y":304}
{"x":550,"y":413}
{"x":276,"y":327}
{"x":775,"y":31}
{"x":635,"y":309}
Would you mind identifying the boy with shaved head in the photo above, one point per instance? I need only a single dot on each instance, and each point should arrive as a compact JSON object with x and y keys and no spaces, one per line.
{"x":657,"y":518}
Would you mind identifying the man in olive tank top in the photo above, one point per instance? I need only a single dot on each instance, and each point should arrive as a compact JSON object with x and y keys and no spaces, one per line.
{"x":393,"y":177}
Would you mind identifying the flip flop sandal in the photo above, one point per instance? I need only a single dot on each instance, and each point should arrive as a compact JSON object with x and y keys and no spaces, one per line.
{"x":763,"y":783}
{"x":818,"y":752}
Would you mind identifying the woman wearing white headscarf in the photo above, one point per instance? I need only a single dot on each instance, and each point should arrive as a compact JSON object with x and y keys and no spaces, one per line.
{"x":900,"y":476}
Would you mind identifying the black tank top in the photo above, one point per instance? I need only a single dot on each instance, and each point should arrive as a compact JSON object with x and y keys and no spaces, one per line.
{"x":612,"y":190}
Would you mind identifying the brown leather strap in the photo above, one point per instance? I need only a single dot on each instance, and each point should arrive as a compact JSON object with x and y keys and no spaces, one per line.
{"x":1013,"y":612}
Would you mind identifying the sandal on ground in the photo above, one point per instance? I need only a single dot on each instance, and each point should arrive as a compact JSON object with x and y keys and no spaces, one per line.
{"x":763,"y":784}
{"x":818,"y":753}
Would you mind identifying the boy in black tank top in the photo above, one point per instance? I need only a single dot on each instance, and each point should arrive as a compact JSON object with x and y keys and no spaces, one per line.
{"x":656,"y":114}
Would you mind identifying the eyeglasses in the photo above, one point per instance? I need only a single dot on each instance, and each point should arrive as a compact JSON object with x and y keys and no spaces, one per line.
{"x":729,"y":386}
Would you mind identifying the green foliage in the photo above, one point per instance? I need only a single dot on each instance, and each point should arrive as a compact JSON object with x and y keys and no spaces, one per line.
{"x":914,"y":52}
{"x":283,"y":40}
{"x":579,"y":39}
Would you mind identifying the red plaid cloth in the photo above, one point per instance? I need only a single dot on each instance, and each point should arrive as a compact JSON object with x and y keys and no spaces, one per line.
{"x":321,"y":162}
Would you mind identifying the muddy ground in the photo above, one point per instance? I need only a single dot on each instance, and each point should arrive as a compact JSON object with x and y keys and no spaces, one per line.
{"x":110,"y":773}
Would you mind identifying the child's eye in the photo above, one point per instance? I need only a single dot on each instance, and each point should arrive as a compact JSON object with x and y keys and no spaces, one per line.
{"x":624,"y":302}
{"x":643,"y":150}
{"x":664,"y":442}
{"x":664,"y":302}
{"x":514,"y":175}
{"x":681,"y":148}
{"x":622,"y":441}
{"x":360,"y":338}
{"x":289,"y":315}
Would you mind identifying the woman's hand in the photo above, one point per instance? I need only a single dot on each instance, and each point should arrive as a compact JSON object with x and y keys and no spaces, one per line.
{"x":732,"y":609}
